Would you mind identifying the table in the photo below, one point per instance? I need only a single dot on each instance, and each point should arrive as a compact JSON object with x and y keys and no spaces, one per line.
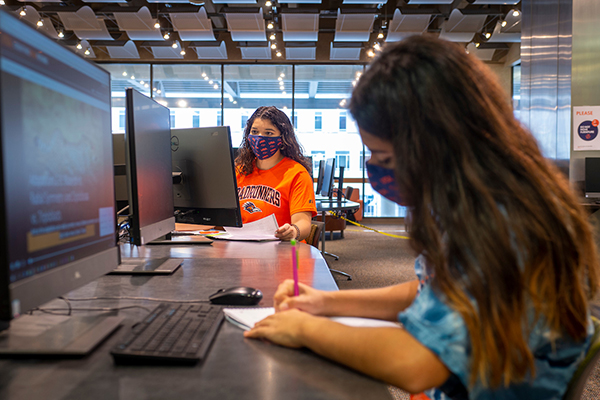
{"x":325,"y":205}
{"x":234,"y":368}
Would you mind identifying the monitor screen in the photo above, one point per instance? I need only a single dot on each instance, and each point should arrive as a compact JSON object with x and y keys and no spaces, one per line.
{"x":148,"y":167}
{"x":320,"y":176}
{"x":328,"y":173}
{"x":592,"y":177}
{"x":340,"y":187}
{"x":207,"y":192}
{"x":58,"y":219}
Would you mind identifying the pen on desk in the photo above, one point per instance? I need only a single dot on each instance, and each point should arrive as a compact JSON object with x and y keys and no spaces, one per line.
{"x":295,"y":266}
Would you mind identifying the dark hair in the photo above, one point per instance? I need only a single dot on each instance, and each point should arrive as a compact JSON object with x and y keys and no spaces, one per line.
{"x":289,"y":147}
{"x":497,"y":223}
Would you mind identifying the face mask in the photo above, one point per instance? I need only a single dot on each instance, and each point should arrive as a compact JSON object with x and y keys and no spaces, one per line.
{"x":384,"y":182}
{"x":264,"y":146}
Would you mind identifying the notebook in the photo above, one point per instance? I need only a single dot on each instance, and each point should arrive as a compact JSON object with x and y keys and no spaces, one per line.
{"x":245,"y":318}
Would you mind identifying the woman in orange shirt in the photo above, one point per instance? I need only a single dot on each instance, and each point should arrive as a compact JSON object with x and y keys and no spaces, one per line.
{"x":273,"y":176}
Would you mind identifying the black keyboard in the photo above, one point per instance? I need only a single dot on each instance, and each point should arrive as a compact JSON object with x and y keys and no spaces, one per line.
{"x":171,"y":334}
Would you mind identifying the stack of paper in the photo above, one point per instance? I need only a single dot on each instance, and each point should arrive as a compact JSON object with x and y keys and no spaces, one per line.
{"x":263,"y":229}
{"x":245,"y":318}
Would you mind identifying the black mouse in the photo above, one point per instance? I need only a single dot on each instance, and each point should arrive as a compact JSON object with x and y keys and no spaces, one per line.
{"x":237,"y":296}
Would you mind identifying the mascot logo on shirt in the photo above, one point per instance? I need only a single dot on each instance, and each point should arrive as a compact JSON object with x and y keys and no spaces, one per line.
{"x":250,"y":207}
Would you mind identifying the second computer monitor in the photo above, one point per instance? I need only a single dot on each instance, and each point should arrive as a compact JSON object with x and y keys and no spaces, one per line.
{"x":328,"y":176}
{"x":206,"y":188}
{"x":148,"y":165}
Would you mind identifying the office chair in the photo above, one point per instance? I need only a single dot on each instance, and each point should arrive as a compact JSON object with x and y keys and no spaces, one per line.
{"x":584,"y":370}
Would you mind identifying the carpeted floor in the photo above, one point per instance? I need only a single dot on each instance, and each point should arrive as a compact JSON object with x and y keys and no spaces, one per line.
{"x":376,"y":260}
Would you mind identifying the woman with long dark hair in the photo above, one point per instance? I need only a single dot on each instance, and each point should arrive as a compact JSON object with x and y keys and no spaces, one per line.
{"x":506,"y":260}
{"x":273,"y":175}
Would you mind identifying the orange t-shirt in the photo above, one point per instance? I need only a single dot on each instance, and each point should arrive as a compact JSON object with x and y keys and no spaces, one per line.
{"x":283,"y":190}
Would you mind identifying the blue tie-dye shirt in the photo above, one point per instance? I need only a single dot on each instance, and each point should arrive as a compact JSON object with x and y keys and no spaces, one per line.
{"x":441,"y":329}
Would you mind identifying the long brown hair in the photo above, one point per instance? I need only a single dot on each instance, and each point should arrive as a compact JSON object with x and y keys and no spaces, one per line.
{"x":289,"y":147}
{"x":497,"y":223}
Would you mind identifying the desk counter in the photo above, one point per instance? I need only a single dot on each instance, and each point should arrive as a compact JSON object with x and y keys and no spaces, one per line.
{"x":234,"y":368}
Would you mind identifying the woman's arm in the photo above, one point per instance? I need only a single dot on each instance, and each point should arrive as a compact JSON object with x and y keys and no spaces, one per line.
{"x":302,"y":220}
{"x":389,"y":354}
{"x":381,"y":303}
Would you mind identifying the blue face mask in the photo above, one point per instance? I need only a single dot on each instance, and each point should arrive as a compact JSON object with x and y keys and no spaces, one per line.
{"x":384,"y":182}
{"x":264,"y":146}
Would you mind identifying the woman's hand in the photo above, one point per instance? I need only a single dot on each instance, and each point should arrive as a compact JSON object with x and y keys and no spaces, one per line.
{"x":286,"y":232}
{"x":282,"y":328}
{"x":309,"y":299}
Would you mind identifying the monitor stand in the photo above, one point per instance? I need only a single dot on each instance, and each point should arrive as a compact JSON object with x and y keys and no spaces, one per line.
{"x":75,"y":337}
{"x":147,"y":266}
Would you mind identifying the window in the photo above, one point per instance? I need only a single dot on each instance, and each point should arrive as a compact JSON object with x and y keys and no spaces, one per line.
{"x":364,"y":156}
{"x":244,"y":122}
{"x":317,"y":155}
{"x":196,"y":119}
{"x":342,"y":159}
{"x":342,"y":121}
{"x":121,"y":119}
{"x":295,"y":120}
{"x":219,"y":118}
{"x":516,"y":90}
{"x":318,"y":121}
{"x":172,"y":119}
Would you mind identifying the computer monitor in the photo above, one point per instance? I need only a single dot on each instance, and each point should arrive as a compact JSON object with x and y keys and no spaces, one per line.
{"x":328,"y":176}
{"x":592,"y":177}
{"x":57,"y":219}
{"x":340,"y":187}
{"x":120,"y":172}
{"x":207,"y":191}
{"x":320,"y":172}
{"x":148,"y":168}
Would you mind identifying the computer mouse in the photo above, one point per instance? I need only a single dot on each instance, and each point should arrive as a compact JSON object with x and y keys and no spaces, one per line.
{"x":236,"y":296}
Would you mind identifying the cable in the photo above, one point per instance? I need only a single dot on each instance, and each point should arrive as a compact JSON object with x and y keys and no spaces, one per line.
{"x":53,"y":310}
{"x":122,"y":209}
{"x":366,"y":227}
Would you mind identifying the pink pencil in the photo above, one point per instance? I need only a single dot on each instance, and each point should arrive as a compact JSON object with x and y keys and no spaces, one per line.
{"x":295,"y":267}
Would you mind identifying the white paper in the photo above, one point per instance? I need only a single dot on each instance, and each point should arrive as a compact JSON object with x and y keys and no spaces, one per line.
{"x":263,"y":229}
{"x":245,"y":318}
{"x":586,"y":121}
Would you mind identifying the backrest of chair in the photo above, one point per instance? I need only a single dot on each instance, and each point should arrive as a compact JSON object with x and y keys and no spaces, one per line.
{"x":315,"y":233}
{"x":586,"y":367}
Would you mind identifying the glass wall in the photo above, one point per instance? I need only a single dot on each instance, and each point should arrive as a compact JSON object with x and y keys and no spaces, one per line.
{"x":313,"y":96}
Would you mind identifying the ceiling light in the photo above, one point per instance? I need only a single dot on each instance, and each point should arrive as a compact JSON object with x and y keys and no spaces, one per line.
{"x":205,"y":78}
{"x":182,"y":52}
{"x":270,"y":25}
{"x":141,"y":82}
{"x":79,"y":46}
{"x":273,"y":46}
{"x":476,"y":44}
{"x":23,"y":12}
{"x":380,"y":35}
{"x":157,"y":25}
{"x":268,"y":3}
{"x":358,"y":74}
{"x":2,"y":2}
{"x":516,"y":13}
{"x":282,"y":75}
{"x":216,"y":86}
{"x":272,"y":37}
{"x":146,"y":85}
{"x":235,"y":102}
{"x":182,"y":103}
{"x":40,"y":23}
{"x":504,"y":23}
{"x":124,"y":73}
{"x":210,"y":82}
{"x":278,"y":54}
{"x":158,"y":91}
{"x":174,"y":45}
{"x":62,"y":35}
{"x":166,"y":36}
{"x":488,"y":35}
{"x":132,"y":77}
{"x":280,"y":79}
{"x":204,"y":74}
{"x":154,"y":89}
{"x":87,"y":52}
{"x":376,"y":46}
{"x":283,"y":93}
{"x":371,"y":53}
